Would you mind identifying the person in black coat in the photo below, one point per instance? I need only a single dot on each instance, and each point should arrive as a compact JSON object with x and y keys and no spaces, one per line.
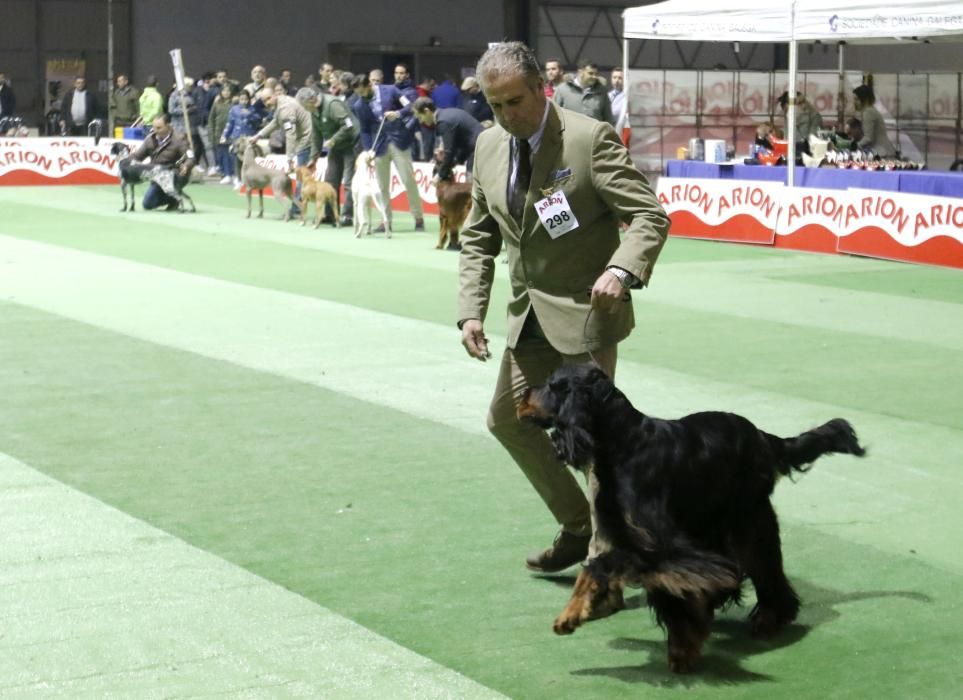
{"x":455,"y":132}
{"x":78,"y":108}
{"x":473,"y":101}
{"x":8,"y":102}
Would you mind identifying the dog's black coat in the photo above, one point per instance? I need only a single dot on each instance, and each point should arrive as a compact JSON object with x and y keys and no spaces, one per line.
{"x":684,"y":503}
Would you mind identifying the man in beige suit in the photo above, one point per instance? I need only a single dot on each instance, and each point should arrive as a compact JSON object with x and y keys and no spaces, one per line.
{"x":554,"y":186}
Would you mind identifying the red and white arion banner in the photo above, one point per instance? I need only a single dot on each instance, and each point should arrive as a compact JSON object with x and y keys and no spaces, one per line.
{"x":891,"y":225}
{"x":740,"y":211}
{"x":57,"y":161}
{"x":880,"y":224}
{"x":77,"y":161}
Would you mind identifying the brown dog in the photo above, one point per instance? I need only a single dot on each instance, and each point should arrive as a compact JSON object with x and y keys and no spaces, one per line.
{"x":317,"y":191}
{"x":454,"y":203}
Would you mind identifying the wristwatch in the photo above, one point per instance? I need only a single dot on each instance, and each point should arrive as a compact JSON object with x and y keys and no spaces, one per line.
{"x":626,"y":278}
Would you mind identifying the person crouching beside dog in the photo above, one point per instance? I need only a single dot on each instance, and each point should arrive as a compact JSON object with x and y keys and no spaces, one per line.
{"x":168,"y":148}
{"x":455,"y":132}
{"x":335,"y":133}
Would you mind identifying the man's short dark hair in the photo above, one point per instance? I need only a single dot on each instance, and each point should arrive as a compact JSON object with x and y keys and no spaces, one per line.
{"x":423,"y":104}
{"x":865,"y":93}
{"x":587,"y":63}
{"x":151,"y":81}
{"x":362,"y":81}
{"x":165,"y":116}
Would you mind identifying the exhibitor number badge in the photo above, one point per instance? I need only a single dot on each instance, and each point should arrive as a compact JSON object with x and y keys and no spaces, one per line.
{"x":556,"y":214}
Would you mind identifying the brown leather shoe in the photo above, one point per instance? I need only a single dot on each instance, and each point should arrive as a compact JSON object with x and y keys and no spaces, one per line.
{"x":566,"y":551}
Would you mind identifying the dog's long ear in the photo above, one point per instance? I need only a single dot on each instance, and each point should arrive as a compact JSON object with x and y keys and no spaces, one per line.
{"x":573,"y":442}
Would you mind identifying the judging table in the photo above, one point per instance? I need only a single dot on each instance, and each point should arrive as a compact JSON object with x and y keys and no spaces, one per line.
{"x":938,"y":184}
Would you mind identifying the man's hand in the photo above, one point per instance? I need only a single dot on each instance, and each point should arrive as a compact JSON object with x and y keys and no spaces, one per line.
{"x":435,"y":180}
{"x":327,"y":144}
{"x":223,"y":139}
{"x":391,"y":116}
{"x":369,"y":157}
{"x":474,"y":340}
{"x":607,"y":293}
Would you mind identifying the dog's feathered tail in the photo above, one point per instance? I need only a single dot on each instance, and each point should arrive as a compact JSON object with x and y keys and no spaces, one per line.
{"x":672,"y":564}
{"x":798,"y":453}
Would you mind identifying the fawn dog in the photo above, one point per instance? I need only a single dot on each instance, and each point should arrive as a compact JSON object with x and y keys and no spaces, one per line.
{"x":257,"y":177}
{"x":317,"y":191}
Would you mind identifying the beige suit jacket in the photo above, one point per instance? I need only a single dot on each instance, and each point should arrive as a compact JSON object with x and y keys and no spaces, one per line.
{"x":584,"y":159}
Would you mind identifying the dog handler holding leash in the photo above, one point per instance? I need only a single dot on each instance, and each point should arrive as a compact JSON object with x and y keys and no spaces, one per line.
{"x":555,"y":186}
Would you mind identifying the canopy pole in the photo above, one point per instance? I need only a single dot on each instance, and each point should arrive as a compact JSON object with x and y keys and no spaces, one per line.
{"x":791,"y":111}
{"x":625,"y":126}
{"x":841,"y":98}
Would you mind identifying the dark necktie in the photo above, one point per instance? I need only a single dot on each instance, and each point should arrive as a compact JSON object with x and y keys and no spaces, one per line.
{"x":523,"y":178}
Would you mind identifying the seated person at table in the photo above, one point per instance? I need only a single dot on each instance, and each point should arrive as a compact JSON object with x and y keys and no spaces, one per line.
{"x":763,"y":132}
{"x":854,"y":132}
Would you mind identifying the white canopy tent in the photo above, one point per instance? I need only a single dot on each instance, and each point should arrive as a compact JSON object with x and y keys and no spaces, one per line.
{"x":792,"y":21}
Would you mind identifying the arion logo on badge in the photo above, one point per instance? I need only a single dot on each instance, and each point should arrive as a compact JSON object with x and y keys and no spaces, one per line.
{"x":833,"y":22}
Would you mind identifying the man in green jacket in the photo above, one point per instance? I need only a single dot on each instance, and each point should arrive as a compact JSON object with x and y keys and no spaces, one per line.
{"x":124,"y":102}
{"x":335,"y":133}
{"x":585,"y":94}
{"x":554,"y":187}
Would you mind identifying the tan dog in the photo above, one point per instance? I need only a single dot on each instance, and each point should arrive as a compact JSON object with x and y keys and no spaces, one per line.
{"x":317,"y":191}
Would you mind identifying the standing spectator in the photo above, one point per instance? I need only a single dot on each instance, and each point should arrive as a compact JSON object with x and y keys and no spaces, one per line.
{"x":425,"y":87}
{"x":78,"y":107}
{"x":242,"y":120}
{"x":258,"y":76}
{"x":553,"y":76}
{"x":455,"y":134}
{"x":446,"y":94}
{"x":585,"y":94}
{"x":473,"y":101}
{"x":381,"y":108}
{"x":125,"y":102}
{"x":569,"y":299}
{"x":342,"y":88}
{"x":325,"y":76}
{"x":8,"y":101}
{"x":199,"y":93}
{"x":335,"y":135}
{"x":216,"y":124}
{"x":285,"y":80}
{"x":874,"y":137}
{"x":311,"y":81}
{"x":294,"y":120}
{"x":181,"y":107}
{"x":409,"y":94}
{"x":151,"y":101}
{"x":617,"y":95}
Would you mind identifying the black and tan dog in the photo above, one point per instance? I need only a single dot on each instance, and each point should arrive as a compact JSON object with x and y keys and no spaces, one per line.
{"x":684,"y":505}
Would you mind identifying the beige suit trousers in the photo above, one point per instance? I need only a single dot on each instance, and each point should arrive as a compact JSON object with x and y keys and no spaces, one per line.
{"x":402,"y":161}
{"x":529,"y":364}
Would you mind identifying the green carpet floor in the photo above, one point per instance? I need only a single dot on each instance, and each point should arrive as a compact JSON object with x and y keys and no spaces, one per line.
{"x":296,"y":403}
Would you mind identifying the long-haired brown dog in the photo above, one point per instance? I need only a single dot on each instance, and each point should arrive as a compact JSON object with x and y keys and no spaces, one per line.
{"x":317,"y":191}
{"x":454,"y":204}
{"x":683,"y":505}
